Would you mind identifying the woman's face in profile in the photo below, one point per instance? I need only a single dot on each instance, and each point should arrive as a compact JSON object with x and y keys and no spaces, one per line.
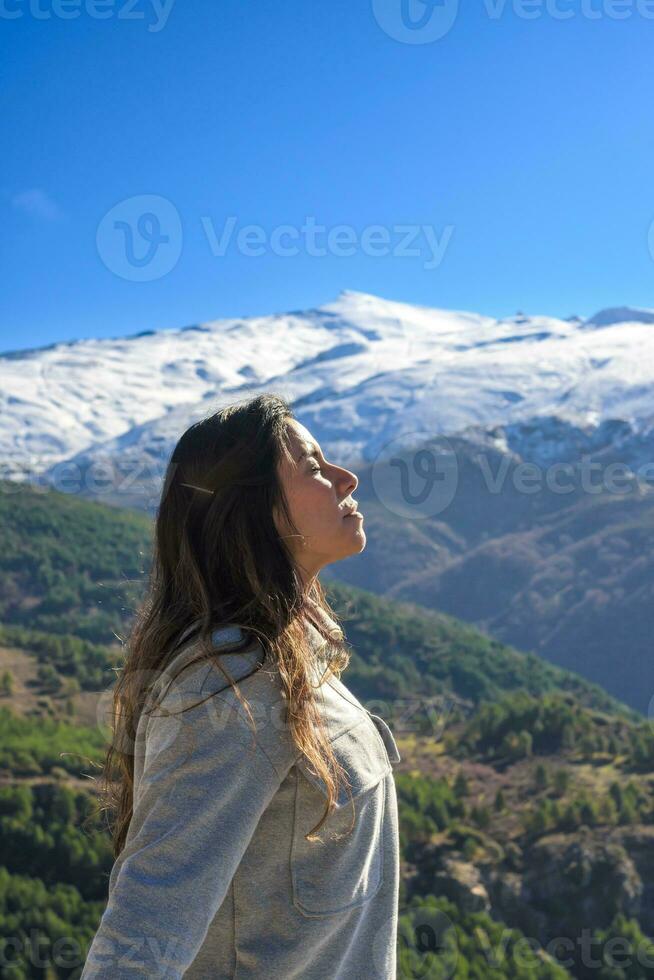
{"x":319,"y":497}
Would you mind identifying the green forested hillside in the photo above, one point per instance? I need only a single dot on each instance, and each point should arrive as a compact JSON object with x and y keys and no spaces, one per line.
{"x":71,"y":572}
{"x":403,"y":649}
{"x":526,"y":793}
{"x":68,"y":566}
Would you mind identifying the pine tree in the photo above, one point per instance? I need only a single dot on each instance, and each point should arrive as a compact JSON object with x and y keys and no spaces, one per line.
{"x":461,"y":787}
{"x":541,"y":778}
{"x":6,"y":683}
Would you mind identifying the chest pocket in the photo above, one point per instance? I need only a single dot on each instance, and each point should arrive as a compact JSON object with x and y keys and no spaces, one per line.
{"x":333,"y":875}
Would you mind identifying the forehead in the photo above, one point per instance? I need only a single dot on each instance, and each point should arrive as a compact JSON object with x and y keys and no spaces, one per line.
{"x":298,"y":435}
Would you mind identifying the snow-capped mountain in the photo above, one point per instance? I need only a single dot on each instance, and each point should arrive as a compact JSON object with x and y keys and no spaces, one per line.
{"x":360,"y":372}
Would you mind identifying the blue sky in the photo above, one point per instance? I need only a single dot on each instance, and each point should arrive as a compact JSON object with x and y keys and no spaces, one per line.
{"x":517,"y":151}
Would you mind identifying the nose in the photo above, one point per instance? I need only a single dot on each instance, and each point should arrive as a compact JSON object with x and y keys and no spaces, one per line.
{"x":350,"y":481}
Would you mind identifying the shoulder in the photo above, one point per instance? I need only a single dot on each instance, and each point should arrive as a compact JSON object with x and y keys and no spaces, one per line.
{"x":201,"y":691}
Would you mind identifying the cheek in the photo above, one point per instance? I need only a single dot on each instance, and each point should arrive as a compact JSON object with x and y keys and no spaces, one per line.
{"x":316,"y":511}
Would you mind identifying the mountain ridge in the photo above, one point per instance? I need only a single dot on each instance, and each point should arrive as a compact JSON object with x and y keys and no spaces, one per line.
{"x":362,"y":370}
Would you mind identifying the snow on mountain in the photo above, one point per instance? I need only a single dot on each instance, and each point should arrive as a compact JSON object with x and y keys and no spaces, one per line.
{"x":360,"y":372}
{"x":620,"y":314}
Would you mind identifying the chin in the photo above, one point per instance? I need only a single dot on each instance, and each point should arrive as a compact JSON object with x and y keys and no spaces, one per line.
{"x":359,"y":542}
{"x":353,"y":541}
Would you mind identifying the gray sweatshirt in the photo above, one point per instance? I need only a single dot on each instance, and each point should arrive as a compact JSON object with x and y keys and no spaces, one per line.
{"x":216,"y":879}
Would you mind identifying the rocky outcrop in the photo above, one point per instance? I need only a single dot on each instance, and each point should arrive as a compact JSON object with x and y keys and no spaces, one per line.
{"x":572,"y":882}
{"x":638,"y":841}
{"x":562,"y":884}
{"x":461,"y":882}
{"x":586,"y":877}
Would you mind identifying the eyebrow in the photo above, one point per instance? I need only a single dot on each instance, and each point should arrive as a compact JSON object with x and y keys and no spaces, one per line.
{"x":311,"y":450}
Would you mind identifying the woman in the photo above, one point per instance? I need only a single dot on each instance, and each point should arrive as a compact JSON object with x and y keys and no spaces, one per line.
{"x":248,"y":847}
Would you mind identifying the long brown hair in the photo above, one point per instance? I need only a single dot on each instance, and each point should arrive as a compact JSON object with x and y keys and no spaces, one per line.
{"x":218,"y":559}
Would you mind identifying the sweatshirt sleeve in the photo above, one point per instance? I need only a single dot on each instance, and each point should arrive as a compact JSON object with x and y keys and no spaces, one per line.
{"x":205,"y":784}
